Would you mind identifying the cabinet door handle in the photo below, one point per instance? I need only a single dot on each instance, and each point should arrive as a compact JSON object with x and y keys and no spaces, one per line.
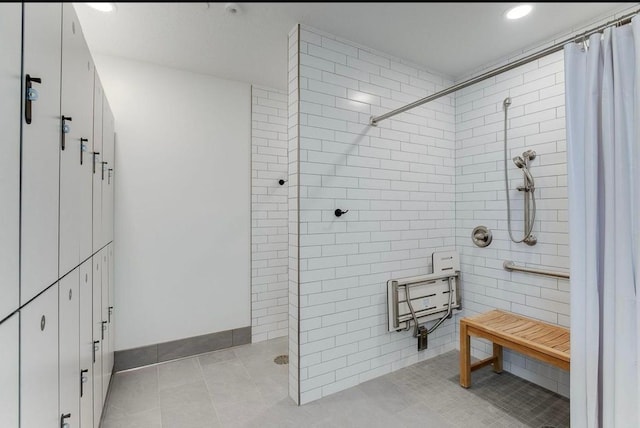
{"x":83,"y":379}
{"x":95,"y":349}
{"x":109,"y":175}
{"x":63,"y":424}
{"x":110,"y":312}
{"x":103,"y":168}
{"x":104,"y":327}
{"x":95,"y":155}
{"x":83,"y":148}
{"x":30,"y":95}
{"x":65,"y":130}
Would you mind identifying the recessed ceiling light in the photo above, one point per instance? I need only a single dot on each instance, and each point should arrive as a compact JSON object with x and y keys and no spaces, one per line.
{"x":233,"y":8}
{"x":102,"y":7}
{"x":519,"y":11}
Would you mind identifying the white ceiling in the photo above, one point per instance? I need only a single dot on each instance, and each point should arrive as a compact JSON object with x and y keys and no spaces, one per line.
{"x":251,"y":46}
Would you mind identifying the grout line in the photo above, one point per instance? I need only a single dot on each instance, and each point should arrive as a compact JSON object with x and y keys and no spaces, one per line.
{"x":206,"y":385}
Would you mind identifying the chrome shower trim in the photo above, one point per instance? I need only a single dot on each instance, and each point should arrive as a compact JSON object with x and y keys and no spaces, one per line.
{"x":522,"y":162}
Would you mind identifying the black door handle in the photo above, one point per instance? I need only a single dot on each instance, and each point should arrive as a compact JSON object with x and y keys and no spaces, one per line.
{"x":94,"y":161}
{"x":95,"y":346}
{"x":110,"y":312}
{"x":103,"y":164}
{"x":104,"y":327}
{"x":82,"y":141}
{"x":82,"y":380}
{"x":65,"y":129}
{"x":109,"y":175}
{"x":30,"y":95}
{"x":62,"y":418}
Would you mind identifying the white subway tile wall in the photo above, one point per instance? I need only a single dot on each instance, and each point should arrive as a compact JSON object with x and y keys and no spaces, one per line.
{"x":269,"y":214}
{"x":396,"y":180}
{"x":294,"y":218}
{"x":535,"y":121}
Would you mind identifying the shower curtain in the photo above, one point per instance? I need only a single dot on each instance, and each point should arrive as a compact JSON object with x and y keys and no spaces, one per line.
{"x":603,"y":148}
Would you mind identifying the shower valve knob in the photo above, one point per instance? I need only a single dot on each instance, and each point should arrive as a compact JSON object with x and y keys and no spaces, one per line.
{"x":481,"y":236}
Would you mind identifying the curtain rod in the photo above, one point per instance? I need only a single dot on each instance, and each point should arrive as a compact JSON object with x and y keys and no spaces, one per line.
{"x":625,"y":19}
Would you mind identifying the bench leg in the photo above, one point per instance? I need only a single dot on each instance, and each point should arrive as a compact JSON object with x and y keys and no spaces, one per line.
{"x":465,"y":356}
{"x":497,"y":358}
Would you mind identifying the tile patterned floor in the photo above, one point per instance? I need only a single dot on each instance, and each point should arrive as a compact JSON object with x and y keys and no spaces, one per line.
{"x":243,"y":387}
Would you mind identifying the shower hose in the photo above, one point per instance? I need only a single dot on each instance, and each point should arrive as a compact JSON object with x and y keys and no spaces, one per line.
{"x":528,"y":228}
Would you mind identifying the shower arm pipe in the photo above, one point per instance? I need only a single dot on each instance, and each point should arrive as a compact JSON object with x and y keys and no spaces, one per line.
{"x":510,"y":266}
{"x":625,"y":19}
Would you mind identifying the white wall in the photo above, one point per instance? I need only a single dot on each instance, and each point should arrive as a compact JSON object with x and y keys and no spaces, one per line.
{"x":182,"y":197}
{"x":397,"y":181}
{"x":269,"y":239}
{"x":536,"y":122}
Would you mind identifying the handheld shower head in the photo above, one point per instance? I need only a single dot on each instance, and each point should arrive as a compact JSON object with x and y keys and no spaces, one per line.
{"x":519,"y":161}
{"x":522,"y":164}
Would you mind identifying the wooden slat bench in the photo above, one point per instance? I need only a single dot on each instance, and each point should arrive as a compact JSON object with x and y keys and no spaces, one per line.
{"x":533,"y":338}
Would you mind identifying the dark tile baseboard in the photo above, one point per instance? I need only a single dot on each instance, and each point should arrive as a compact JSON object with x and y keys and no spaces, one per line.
{"x":160,"y":352}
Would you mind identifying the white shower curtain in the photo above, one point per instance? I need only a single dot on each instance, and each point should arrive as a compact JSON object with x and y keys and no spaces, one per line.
{"x":603,"y":145}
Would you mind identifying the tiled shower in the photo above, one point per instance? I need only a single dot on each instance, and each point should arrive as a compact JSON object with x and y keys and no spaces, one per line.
{"x":417,"y":183}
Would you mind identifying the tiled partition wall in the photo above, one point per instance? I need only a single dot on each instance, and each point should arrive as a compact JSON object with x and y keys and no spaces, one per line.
{"x":269,"y":205}
{"x":396,"y":180}
{"x":535,"y":121}
{"x":294,"y":217}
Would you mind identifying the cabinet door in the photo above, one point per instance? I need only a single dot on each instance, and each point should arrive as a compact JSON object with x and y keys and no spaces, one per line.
{"x":108,"y":146}
{"x":111,"y":309}
{"x":86,"y":345}
{"x":97,"y":338}
{"x":75,"y":164}
{"x":97,"y":166}
{"x":69,"y":346}
{"x":9,"y":370}
{"x":40,"y":148}
{"x":10,"y":98}
{"x":39,"y":362}
{"x":106,"y":343}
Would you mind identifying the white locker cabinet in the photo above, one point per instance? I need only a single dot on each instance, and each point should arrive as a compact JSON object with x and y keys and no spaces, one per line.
{"x":39,"y":361}
{"x":97,"y":338}
{"x":97,"y":164}
{"x":10,"y":97}
{"x":108,"y":148}
{"x":106,"y":345}
{"x":41,"y":129}
{"x":75,"y":163}
{"x":86,"y":344}
{"x":9,"y":369}
{"x":69,"y":346}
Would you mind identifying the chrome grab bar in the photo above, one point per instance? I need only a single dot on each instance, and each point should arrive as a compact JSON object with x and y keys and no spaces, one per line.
{"x":511,"y":266}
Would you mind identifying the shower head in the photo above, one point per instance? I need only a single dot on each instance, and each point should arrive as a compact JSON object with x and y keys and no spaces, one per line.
{"x":522,"y":164}
{"x":519,"y":161}
{"x":529,"y":155}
